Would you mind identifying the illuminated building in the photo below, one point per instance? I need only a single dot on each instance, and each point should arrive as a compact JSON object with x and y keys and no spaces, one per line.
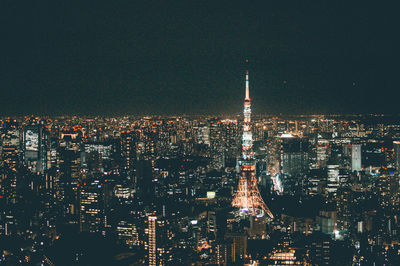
{"x":35,"y":147}
{"x":203,"y":135}
{"x":356,"y":157}
{"x":247,"y":197}
{"x":322,"y":152}
{"x":333,"y":178}
{"x":10,"y":145}
{"x":52,"y":155}
{"x":221,"y":253}
{"x":294,"y":156}
{"x":344,"y":196}
{"x":127,"y":233}
{"x":128,"y":149}
{"x":217,"y":145}
{"x":152,"y":244}
{"x":318,"y":246}
{"x":123,"y":191}
{"x":284,"y":257}
{"x":212,"y":223}
{"x":396,"y":147}
{"x":231,"y":139}
{"x":387,"y":187}
{"x":91,"y":212}
{"x":156,"y":234}
{"x":10,"y":154}
{"x":99,"y":154}
{"x":316,"y":181}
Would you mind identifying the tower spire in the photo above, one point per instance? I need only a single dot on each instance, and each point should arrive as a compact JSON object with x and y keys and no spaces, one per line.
{"x":247,"y":197}
{"x":247,"y":86}
{"x":247,"y":81}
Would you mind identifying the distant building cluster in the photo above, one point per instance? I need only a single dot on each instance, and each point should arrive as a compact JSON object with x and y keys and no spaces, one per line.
{"x":161,"y":188}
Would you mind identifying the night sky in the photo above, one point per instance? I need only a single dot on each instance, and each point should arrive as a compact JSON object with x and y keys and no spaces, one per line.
{"x":187,"y":57}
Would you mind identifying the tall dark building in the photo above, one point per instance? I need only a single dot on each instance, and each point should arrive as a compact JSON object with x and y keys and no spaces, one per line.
{"x":91,"y":207}
{"x":35,"y":147}
{"x":294,"y":157}
{"x":128,"y":150}
{"x":10,"y":141}
{"x":144,"y":179}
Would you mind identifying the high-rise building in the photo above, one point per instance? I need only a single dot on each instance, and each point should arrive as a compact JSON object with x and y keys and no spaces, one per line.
{"x":128,"y":150}
{"x":156,"y":241}
{"x":294,"y":157}
{"x":396,"y":147}
{"x":91,"y":212}
{"x":144,"y":179}
{"x":152,"y":240}
{"x":10,"y":145}
{"x":322,"y":153}
{"x":203,"y":135}
{"x":356,"y":157}
{"x":52,"y":155}
{"x":35,"y":149}
{"x":217,"y":145}
{"x":69,"y":174}
{"x":106,"y":151}
{"x":10,"y":153}
{"x":333,"y":178}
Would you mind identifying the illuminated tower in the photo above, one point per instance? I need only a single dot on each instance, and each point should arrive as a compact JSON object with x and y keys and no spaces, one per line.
{"x":247,"y":197}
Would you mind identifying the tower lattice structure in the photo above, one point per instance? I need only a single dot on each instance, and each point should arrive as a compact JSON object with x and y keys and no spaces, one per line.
{"x":247,"y":197}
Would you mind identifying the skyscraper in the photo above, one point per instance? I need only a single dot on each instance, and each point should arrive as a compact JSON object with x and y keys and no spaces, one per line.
{"x":152,"y":240}
{"x":128,"y":149}
{"x":10,"y":145}
{"x":35,"y":151}
{"x":91,"y":213}
{"x":356,"y":157}
{"x":396,"y":146}
{"x":157,"y":240}
{"x":294,"y":157}
{"x":247,"y":197}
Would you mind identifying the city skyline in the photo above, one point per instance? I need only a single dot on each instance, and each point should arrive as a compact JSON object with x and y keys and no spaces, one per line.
{"x":199,"y":133}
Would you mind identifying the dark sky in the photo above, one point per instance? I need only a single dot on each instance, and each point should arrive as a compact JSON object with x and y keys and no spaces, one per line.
{"x":173,"y":57}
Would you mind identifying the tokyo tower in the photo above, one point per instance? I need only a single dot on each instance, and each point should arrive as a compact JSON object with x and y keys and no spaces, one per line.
{"x":247,"y":197}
